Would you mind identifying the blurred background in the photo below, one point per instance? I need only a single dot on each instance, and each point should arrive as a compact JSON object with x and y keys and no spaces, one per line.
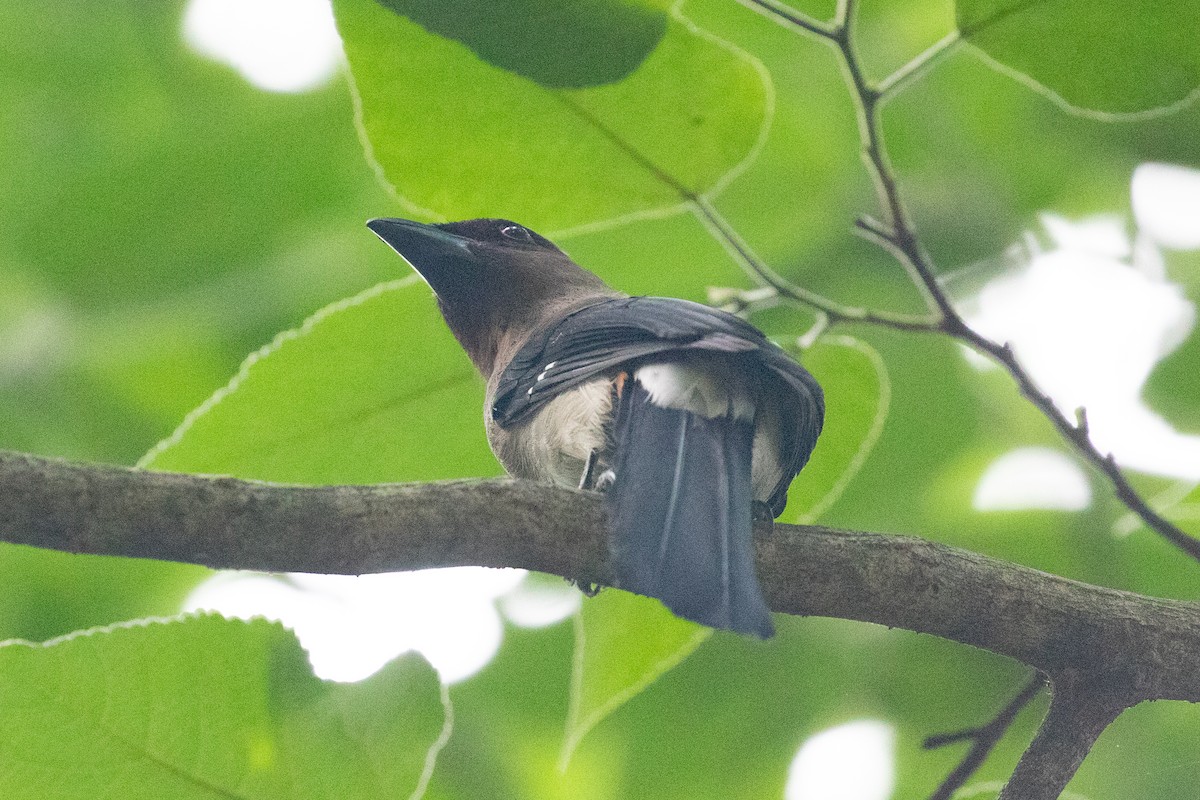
{"x":183,"y":181}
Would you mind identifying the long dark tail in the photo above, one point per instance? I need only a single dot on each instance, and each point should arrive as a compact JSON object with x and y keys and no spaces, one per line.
{"x":680,"y":511}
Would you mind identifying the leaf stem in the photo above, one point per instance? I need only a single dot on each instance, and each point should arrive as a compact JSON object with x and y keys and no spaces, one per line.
{"x":898,"y":236}
{"x":785,"y":289}
{"x":896,"y":82}
{"x":790,"y":17}
{"x":844,"y":16}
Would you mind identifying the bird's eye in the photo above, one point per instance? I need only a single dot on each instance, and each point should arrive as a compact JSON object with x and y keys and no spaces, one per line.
{"x":516,"y":233}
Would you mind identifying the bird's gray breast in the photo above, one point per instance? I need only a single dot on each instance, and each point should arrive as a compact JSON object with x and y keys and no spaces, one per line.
{"x":554,"y":444}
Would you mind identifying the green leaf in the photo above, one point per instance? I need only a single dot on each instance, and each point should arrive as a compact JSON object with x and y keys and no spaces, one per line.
{"x":459,"y":137}
{"x":207,"y":707}
{"x":1107,"y":56}
{"x":559,"y":45}
{"x":368,"y":390}
{"x":858,"y":396}
{"x":623,"y":643}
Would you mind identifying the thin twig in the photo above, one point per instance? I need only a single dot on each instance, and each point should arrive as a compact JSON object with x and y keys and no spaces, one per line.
{"x":898,"y":236}
{"x":789,"y":16}
{"x":836,"y":312}
{"x":896,"y":82}
{"x":740,"y":250}
{"x":1077,"y":434}
{"x":983,"y":738}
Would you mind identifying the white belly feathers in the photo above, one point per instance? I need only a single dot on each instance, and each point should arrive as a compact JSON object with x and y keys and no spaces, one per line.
{"x":705,"y":391}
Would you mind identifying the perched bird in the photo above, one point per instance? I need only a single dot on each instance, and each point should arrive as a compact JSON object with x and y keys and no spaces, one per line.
{"x":688,"y":418}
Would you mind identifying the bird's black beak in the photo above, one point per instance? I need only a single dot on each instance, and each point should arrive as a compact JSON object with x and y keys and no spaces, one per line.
{"x":437,"y":254}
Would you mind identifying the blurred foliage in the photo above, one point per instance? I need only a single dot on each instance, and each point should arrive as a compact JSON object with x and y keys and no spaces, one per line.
{"x":1175,"y":383}
{"x":161,"y":219}
{"x":1150,"y":59}
{"x":246,"y":718}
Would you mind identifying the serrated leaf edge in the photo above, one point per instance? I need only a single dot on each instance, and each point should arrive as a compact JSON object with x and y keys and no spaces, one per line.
{"x":276,"y":344}
{"x":143,"y":622}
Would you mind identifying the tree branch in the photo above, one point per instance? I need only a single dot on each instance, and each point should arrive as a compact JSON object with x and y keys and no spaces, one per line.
{"x":899,"y":237}
{"x":1077,"y":434}
{"x":1137,"y":648}
{"x":786,"y":290}
{"x":1079,"y":712}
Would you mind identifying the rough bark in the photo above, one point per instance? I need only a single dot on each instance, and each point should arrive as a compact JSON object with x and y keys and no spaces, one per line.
{"x":1129,"y":647}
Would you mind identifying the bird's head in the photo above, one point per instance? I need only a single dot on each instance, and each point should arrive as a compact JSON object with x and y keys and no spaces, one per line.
{"x":493,"y":278}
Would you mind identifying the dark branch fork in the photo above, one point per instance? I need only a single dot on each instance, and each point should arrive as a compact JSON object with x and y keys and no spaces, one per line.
{"x":898,"y":236}
{"x":1082,"y":705}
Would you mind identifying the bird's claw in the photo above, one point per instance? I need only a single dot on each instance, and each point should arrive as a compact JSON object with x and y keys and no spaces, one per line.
{"x":588,"y":588}
{"x":761,"y":512}
{"x":590,"y":480}
{"x":605,"y":480}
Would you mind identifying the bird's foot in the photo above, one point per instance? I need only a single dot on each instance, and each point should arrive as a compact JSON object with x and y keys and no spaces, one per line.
{"x":588,"y":588}
{"x":605,"y":480}
{"x":593,"y":478}
{"x":760,"y":512}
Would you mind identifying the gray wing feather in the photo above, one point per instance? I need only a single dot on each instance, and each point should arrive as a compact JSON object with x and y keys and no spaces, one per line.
{"x":614,"y":334}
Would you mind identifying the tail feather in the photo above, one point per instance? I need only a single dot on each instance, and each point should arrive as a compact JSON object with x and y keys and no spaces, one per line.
{"x":680,"y":511}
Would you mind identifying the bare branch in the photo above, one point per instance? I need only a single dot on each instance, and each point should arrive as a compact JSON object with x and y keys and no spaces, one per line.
{"x":1079,"y":713}
{"x":898,"y":236}
{"x":786,"y":290}
{"x":1077,"y":434}
{"x":1137,"y":647}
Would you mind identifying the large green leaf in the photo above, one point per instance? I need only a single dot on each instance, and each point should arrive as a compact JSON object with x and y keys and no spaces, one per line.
{"x":372,"y":389}
{"x":623,"y":643}
{"x":858,"y":395}
{"x":206,"y":707}
{"x":559,"y":45}
{"x":459,"y":137}
{"x":1108,"y":56}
